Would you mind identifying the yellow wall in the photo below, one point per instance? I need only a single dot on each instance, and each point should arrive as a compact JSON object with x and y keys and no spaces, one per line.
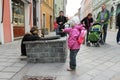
{"x":47,"y":9}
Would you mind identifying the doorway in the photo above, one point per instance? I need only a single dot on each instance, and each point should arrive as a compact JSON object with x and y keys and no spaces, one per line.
{"x":51,"y":22}
{"x":117,"y":12}
{"x":34,"y":13}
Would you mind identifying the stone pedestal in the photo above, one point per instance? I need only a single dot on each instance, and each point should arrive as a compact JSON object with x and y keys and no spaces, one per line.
{"x":47,"y":51}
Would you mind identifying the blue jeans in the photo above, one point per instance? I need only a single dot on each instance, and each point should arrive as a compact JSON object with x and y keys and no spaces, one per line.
{"x":104,"y":32}
{"x":118,"y":35}
{"x":73,"y":54}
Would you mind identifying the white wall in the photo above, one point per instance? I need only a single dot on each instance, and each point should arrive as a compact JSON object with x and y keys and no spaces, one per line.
{"x":38,"y":14}
{"x":27,"y":17}
{"x":1,"y":25}
{"x":12,"y":34}
{"x":82,"y":10}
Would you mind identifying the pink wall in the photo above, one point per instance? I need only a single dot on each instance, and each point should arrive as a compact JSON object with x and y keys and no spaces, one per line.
{"x":6,"y":22}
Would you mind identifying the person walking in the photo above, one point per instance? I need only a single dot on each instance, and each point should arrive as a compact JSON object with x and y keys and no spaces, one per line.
{"x":103,"y":19}
{"x":118,"y":24}
{"x":87,"y":21}
{"x":73,"y":43}
{"x":61,"y":20}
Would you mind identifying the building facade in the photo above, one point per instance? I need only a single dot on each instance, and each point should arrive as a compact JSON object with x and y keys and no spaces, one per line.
{"x":47,"y":14}
{"x":82,"y":9}
{"x":59,"y":5}
{"x":112,"y":6}
{"x":64,"y":7}
{"x":88,"y":7}
{"x":17,"y":17}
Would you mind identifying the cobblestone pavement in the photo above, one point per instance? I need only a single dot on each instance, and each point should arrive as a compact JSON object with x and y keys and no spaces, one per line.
{"x":10,"y":62}
{"x":93,"y":63}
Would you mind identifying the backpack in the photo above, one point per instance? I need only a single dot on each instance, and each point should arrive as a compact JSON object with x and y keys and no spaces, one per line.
{"x":81,"y":36}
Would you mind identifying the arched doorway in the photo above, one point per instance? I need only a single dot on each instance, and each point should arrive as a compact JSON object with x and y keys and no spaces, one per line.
{"x":111,"y":17}
{"x":117,"y":11}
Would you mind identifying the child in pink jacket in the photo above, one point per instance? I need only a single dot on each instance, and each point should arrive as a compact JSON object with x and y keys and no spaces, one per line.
{"x":73,"y":44}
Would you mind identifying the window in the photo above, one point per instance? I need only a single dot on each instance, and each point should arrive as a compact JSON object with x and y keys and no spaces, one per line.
{"x":18,"y":13}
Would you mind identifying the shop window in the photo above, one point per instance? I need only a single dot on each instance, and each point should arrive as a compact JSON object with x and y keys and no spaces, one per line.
{"x":18,"y":13}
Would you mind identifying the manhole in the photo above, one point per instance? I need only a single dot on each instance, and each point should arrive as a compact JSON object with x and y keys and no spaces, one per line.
{"x":38,"y":78}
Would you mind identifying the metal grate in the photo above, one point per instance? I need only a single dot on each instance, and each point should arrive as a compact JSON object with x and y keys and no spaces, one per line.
{"x":38,"y":78}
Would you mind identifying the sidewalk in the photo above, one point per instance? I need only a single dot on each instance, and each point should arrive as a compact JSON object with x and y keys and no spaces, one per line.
{"x":10,"y":62}
{"x":102,"y":63}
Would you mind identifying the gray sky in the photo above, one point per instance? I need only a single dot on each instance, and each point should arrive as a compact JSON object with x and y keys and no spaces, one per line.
{"x":72,"y":7}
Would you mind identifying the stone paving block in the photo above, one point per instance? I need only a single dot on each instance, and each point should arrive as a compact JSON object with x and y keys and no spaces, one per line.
{"x":100,"y":77}
{"x":19,"y":64}
{"x":11,"y":69}
{"x":95,"y":63}
{"x":65,"y":78}
{"x":91,"y":66}
{"x":94,"y":72}
{"x":108,"y":73}
{"x":14,"y":57}
{"x":98,"y":61}
{"x":115,"y":68}
{"x":115,"y":59}
{"x":105,"y":59}
{"x":6,"y":75}
{"x":116,"y":77}
{"x":102,"y":67}
{"x":109,"y":64}
{"x":118,"y":64}
{"x":3,"y":60}
{"x":14,"y":60}
{"x":6,"y":64}
{"x":1,"y":68}
{"x":85,"y":77}
{"x":3,"y":57}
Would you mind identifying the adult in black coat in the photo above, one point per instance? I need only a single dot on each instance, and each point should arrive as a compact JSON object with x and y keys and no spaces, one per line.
{"x":118,"y":24}
{"x":32,"y":36}
{"x":87,"y":23}
{"x":61,"y":20}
